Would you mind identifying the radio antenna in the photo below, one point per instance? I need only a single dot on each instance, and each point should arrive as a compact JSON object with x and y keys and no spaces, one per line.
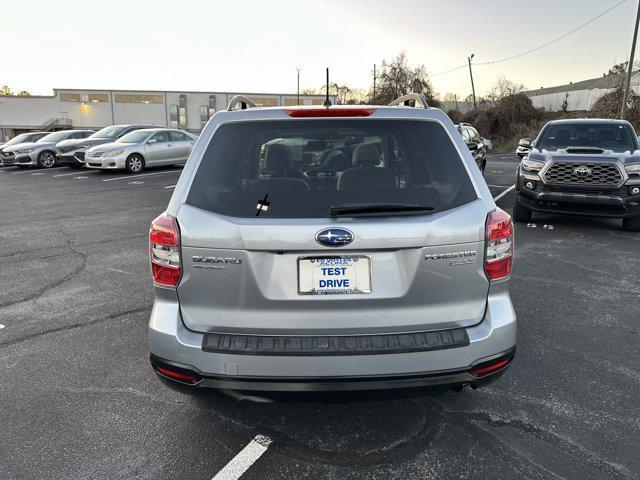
{"x":327,"y":102}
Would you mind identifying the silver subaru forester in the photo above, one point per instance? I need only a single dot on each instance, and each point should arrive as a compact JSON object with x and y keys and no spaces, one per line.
{"x":331,"y":248}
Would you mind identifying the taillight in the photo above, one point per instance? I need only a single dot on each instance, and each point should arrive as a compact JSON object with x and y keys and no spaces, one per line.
{"x":329,"y":112}
{"x":164,"y":249}
{"x":499,"y":249}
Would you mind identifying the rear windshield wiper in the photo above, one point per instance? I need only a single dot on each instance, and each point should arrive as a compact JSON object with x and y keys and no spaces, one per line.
{"x":364,"y":208}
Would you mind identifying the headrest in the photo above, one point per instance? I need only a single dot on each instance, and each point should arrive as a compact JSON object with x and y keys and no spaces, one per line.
{"x":336,"y":160}
{"x":278,"y":158}
{"x":365,"y":155}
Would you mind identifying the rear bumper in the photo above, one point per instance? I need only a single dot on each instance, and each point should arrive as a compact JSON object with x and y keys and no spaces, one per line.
{"x":172,"y":344}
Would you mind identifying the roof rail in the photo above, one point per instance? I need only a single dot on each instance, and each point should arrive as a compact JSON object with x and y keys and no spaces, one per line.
{"x":244,"y":102}
{"x":406,"y":99}
{"x":464,"y":124}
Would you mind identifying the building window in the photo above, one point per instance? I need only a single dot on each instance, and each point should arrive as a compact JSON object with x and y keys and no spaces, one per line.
{"x":264,"y":101}
{"x":126,"y":98}
{"x":207,"y":111}
{"x":69,"y":97}
{"x":173,"y":116}
{"x":182,"y":111}
{"x":98,"y":97}
{"x":204,"y":115}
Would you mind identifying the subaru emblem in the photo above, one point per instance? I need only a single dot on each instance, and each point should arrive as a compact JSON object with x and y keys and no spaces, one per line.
{"x":334,"y":237}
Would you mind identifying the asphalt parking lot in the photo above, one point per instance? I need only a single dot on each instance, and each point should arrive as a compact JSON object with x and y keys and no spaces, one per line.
{"x":78,"y":399}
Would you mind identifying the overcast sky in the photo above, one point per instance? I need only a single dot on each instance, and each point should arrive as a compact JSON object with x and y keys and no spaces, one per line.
{"x":256,"y":46}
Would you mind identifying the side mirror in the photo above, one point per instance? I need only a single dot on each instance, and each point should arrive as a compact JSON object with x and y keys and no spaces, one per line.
{"x":151,"y":141}
{"x":525,"y":142}
{"x":472,"y":146}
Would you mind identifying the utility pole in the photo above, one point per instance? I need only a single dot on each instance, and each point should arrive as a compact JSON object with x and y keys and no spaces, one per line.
{"x":374,"y":79}
{"x":473,"y":88}
{"x":625,"y":97}
{"x":298,"y":94}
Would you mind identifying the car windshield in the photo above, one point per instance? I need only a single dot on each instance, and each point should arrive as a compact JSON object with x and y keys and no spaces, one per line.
{"x":107,"y":132}
{"x":606,"y":136}
{"x":320,"y":168}
{"x":17,"y":139}
{"x":54,"y":137}
{"x":136,"y":136}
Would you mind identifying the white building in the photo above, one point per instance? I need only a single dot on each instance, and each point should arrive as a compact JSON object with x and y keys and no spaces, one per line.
{"x":579,"y":95}
{"x":94,"y":109}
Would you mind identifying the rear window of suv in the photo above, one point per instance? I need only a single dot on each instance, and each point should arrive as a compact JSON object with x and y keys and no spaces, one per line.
{"x":301,"y":169}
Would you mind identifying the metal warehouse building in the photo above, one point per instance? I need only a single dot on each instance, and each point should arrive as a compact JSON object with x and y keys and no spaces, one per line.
{"x":94,"y":109}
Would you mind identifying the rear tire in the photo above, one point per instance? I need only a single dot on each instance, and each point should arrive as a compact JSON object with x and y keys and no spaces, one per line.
{"x":631,"y":224}
{"x":521,"y":214}
{"x":46,"y":159}
{"x":134,"y":163}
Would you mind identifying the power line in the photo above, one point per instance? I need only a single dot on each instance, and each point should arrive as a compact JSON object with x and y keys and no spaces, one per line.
{"x":512,"y":57}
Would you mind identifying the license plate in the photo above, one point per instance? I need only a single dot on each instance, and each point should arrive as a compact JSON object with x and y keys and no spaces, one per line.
{"x":335,"y":275}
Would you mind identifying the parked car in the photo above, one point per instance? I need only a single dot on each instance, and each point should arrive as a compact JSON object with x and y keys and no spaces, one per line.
{"x":391,"y":273}
{"x":142,"y":148}
{"x":475,"y":143}
{"x":21,"y":140}
{"x":582,"y":167}
{"x":72,"y":152}
{"x":524,"y":147}
{"x":42,"y":153}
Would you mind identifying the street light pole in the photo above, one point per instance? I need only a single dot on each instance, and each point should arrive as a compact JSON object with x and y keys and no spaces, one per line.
{"x":625,"y":97}
{"x":374,"y":80}
{"x":298,"y":94}
{"x":473,"y":88}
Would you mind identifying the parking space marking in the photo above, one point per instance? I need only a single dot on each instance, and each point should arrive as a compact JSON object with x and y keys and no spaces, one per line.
{"x":512,"y":187}
{"x":1,"y":326}
{"x":18,"y":173}
{"x":169,"y":186}
{"x":38,"y":173}
{"x":140,"y":175}
{"x":72,"y":173}
{"x":243,"y":460}
{"x":135,"y":183}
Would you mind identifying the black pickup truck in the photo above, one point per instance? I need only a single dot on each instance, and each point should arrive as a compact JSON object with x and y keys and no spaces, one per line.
{"x":582,"y":167}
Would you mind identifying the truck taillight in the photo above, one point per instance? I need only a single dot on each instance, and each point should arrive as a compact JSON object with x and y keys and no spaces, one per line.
{"x":164,"y":250}
{"x":499,"y":245}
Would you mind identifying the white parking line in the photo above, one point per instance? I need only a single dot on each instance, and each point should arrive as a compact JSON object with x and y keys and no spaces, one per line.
{"x":1,"y":326}
{"x":18,"y":173}
{"x":243,"y":460}
{"x":169,"y":186}
{"x":140,"y":175}
{"x":512,"y":187}
{"x":72,"y":173}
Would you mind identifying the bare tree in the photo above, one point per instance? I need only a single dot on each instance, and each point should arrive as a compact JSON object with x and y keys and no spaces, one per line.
{"x":397,"y":78}
{"x":504,"y":88}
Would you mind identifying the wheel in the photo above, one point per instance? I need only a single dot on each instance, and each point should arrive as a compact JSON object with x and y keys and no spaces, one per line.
{"x":521,"y":214}
{"x":631,"y":224}
{"x":46,"y":159}
{"x":135,"y":163}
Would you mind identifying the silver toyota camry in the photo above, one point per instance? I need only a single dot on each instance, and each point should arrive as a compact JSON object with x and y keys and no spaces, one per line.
{"x":331,"y":248}
{"x":139,"y":149}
